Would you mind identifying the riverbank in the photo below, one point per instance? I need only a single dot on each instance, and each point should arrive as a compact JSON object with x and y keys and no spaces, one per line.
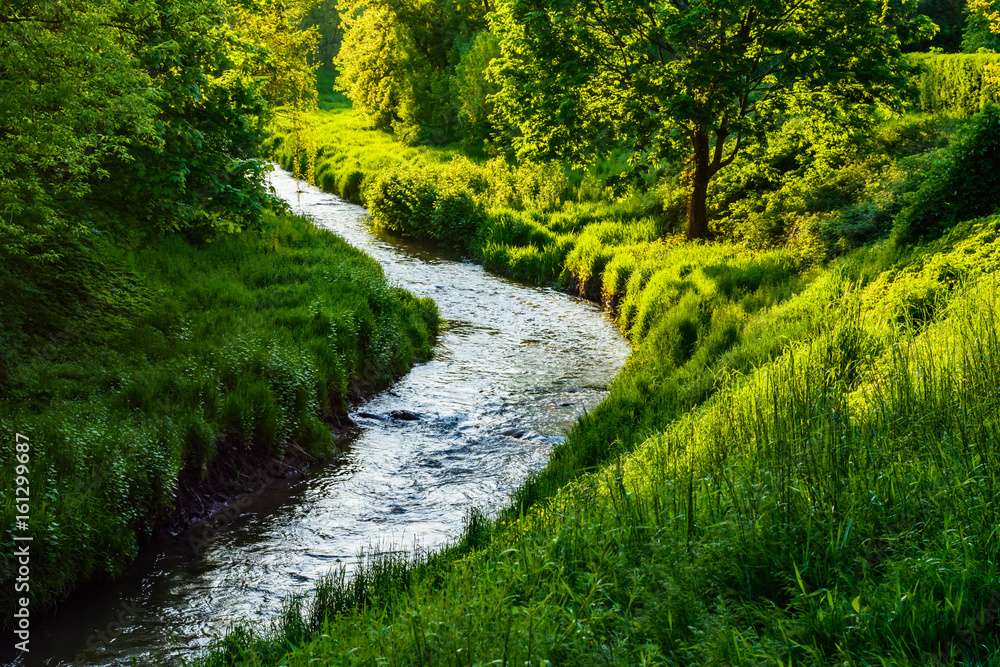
{"x":797,"y":464}
{"x":193,"y":373}
{"x":683,"y":306}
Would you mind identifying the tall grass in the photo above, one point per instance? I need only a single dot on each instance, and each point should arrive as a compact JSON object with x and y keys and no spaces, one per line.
{"x":240,"y":351}
{"x":797,"y":465}
{"x":834,"y":500}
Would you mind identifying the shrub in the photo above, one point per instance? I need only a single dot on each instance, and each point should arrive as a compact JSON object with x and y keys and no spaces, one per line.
{"x":961,"y":186}
{"x":454,"y":220}
{"x":396,"y":201}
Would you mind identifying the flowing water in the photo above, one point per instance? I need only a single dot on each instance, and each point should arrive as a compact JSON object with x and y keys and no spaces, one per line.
{"x":514,"y":367}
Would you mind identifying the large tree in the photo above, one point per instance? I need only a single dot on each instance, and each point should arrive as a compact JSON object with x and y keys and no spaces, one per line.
{"x":702,"y":76}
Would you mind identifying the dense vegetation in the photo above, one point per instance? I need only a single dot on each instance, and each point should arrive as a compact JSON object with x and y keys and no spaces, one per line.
{"x":195,"y":362}
{"x":166,"y":328}
{"x":789,"y":208}
{"x":818,"y":489}
{"x":798,"y":463}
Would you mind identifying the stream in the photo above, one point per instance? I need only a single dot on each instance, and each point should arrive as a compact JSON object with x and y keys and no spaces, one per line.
{"x":513,"y":368}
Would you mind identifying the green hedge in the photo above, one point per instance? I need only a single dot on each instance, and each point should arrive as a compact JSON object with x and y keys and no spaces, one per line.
{"x":958,"y":82}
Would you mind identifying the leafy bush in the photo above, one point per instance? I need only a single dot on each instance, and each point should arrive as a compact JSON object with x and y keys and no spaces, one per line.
{"x":398,"y":202}
{"x":455,"y":219}
{"x":414,"y":207}
{"x":962,"y":185}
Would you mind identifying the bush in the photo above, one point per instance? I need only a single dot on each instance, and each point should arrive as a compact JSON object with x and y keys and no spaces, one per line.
{"x":397,"y":200}
{"x":415,"y":207}
{"x":455,"y":219}
{"x":961,"y":186}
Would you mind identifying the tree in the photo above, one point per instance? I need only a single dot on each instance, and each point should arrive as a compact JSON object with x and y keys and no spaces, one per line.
{"x":397,"y":59}
{"x":701,"y":76}
{"x":72,"y":96}
{"x":473,"y":89}
{"x":218,"y":69}
{"x":982,"y":26}
{"x":988,"y":10}
{"x":326,"y":19}
{"x":72,"y":99}
{"x":949,"y":16}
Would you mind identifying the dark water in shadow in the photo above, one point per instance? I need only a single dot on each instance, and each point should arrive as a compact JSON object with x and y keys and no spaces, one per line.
{"x":515,"y":366}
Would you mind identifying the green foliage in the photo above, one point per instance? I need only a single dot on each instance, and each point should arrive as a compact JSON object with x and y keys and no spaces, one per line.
{"x":824,"y":188}
{"x":326,"y":19}
{"x":773,"y":399}
{"x":819,"y":187}
{"x":397,"y":61}
{"x":961,"y":185}
{"x":957,"y":83}
{"x":199,"y":174}
{"x":702,"y":78}
{"x":432,"y":194}
{"x":114,"y":114}
{"x":72,"y":99}
{"x":396,"y":199}
{"x":473,"y":89}
{"x":219,"y":68}
{"x":224,"y":354}
{"x":982,"y":26}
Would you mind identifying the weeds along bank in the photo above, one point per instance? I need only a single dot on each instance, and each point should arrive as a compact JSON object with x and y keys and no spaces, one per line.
{"x":188,"y":369}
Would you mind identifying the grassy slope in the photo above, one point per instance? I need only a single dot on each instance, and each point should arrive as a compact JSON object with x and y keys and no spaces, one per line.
{"x":797,"y":465}
{"x":194,"y":360}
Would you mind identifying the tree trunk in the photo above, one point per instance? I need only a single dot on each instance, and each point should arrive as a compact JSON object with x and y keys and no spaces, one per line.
{"x":697,"y":222}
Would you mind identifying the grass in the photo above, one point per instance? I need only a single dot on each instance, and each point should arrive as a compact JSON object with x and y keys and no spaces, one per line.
{"x":796,"y":466}
{"x":821,"y":489}
{"x":196,"y":360}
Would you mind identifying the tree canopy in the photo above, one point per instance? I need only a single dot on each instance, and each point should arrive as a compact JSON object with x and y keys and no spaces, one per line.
{"x":122,"y":116}
{"x":398,"y":58}
{"x":703,"y":76}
